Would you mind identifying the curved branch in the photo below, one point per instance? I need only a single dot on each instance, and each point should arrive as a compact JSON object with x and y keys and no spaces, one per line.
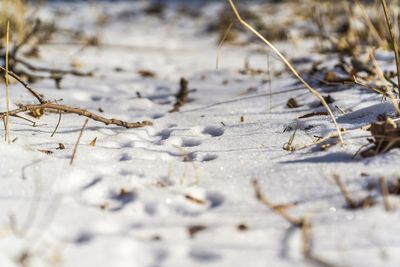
{"x":78,"y":111}
{"x":38,"y":96}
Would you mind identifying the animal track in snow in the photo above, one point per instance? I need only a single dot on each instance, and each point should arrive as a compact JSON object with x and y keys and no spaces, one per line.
{"x":164,"y":134}
{"x":125,"y":157}
{"x":190,"y":142}
{"x":213,"y":131}
{"x":208,"y":157}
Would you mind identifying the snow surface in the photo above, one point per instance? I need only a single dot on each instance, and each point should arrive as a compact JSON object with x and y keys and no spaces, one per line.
{"x":54,"y":214}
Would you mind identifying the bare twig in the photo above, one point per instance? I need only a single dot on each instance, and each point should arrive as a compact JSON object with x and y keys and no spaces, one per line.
{"x":58,"y":123}
{"x":77,"y":141}
{"x":44,"y":104}
{"x":182,"y":96}
{"x":7,"y":129}
{"x":38,"y":96}
{"x":78,"y":111}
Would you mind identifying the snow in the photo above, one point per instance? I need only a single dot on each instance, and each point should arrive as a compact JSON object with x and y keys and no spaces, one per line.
{"x":77,"y":215}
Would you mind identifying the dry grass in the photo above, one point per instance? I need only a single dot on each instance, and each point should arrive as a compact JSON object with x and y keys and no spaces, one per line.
{"x":6,"y":118}
{"x":14,"y":12}
{"x":394,"y":42}
{"x":290,"y":66}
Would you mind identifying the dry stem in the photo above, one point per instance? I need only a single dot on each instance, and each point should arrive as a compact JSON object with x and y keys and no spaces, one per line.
{"x":77,"y":141}
{"x":58,"y":123}
{"x":226,"y":34}
{"x":38,"y":96}
{"x":79,"y":111}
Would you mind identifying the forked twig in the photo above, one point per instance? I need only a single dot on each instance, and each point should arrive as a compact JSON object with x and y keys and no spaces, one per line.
{"x":291,"y":68}
{"x":58,"y":123}
{"x":38,"y":96}
{"x":78,"y":111}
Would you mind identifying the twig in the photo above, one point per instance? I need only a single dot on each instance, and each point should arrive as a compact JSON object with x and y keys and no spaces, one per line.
{"x":182,"y":96}
{"x":58,"y":124}
{"x":53,"y":71}
{"x":312,"y":114}
{"x":25,"y":119}
{"x":38,"y":96}
{"x":291,"y":68}
{"x":385,"y":193}
{"x":394,"y":42}
{"x":78,"y":111}
{"x":77,"y":142}
{"x":44,"y":104}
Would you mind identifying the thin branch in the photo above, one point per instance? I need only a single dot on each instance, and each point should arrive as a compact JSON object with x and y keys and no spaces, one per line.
{"x":78,"y":111}
{"x":58,"y":123}
{"x":38,"y":96}
{"x":53,"y":71}
{"x":182,"y":96}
